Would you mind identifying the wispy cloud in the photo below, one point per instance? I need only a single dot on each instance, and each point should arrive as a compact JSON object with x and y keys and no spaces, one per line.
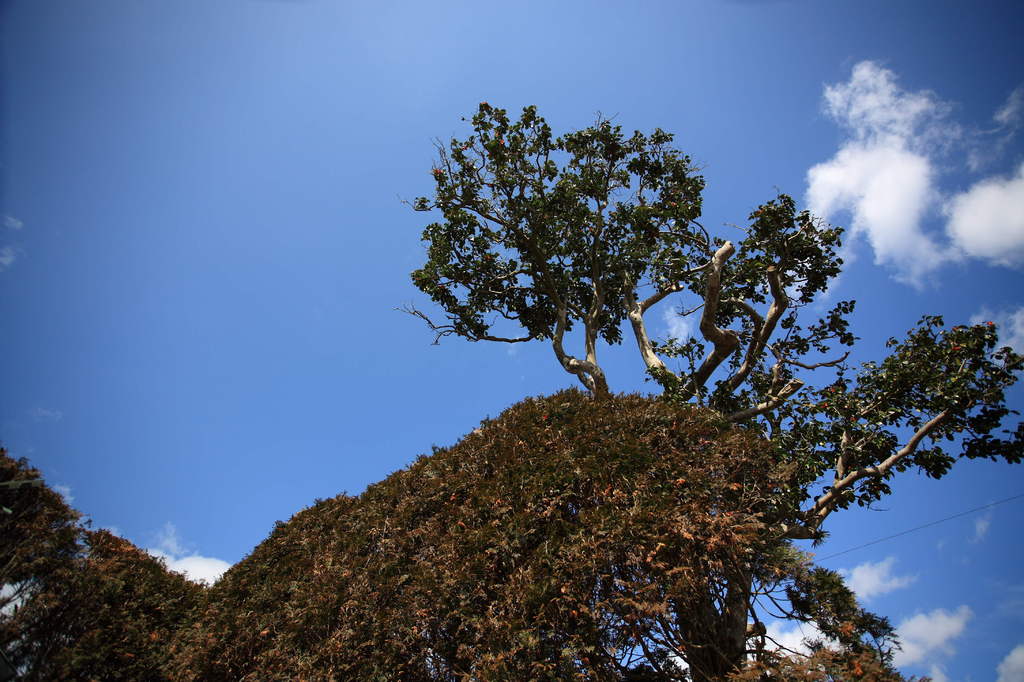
{"x":12,"y":223}
{"x":43,"y":414}
{"x":65,"y":492}
{"x":884,"y":174}
{"x":981,"y":526}
{"x":990,"y":143}
{"x":868,"y":580}
{"x":927,"y":636}
{"x":677,"y":326}
{"x":1010,"y":114}
{"x":196,"y":568}
{"x":1011,"y":668}
{"x":7,"y":257}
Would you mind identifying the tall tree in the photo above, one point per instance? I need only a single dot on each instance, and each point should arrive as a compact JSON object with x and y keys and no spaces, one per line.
{"x":594,"y":229}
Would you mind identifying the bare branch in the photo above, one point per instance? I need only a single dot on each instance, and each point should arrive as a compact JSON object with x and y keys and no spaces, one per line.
{"x":441,"y":329}
{"x":635,"y":313}
{"x":817,"y":365}
{"x":446,"y":329}
{"x":589,"y":373}
{"x":725,"y":341}
{"x":772,"y":403}
{"x":656,"y":298}
{"x":763,"y":329}
{"x":825,"y":504}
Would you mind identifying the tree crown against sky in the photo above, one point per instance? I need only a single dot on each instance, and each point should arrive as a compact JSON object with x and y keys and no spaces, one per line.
{"x":592,"y":229}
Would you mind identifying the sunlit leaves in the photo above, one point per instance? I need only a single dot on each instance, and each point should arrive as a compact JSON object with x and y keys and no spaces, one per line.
{"x":533,"y":223}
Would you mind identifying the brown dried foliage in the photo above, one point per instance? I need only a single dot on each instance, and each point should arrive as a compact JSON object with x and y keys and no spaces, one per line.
{"x":567,"y":539}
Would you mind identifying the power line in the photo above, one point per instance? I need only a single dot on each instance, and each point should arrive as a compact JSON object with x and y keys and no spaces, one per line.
{"x":926,"y":525}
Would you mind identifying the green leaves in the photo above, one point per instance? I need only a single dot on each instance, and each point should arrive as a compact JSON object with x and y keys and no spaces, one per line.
{"x":533,"y":224}
{"x":938,"y":396}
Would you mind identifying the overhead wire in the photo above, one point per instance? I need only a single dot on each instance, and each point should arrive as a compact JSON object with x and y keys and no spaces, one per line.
{"x":923,"y":526}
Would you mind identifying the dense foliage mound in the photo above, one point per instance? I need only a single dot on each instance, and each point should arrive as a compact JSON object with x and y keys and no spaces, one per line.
{"x":78,"y":603}
{"x":567,"y":539}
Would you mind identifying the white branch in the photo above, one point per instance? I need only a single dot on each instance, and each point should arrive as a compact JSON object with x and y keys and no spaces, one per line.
{"x":773,"y":402}
{"x":763,"y":329}
{"x":725,"y":341}
{"x":589,"y":373}
{"x":825,"y":504}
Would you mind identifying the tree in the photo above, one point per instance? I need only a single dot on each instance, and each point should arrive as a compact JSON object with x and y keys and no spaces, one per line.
{"x":594,"y":229}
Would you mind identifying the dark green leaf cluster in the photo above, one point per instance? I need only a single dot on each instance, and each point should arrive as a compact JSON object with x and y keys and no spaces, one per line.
{"x":938,"y":396}
{"x":535,"y":223}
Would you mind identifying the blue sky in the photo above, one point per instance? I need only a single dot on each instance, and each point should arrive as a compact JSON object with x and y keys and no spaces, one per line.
{"x":203,"y":244}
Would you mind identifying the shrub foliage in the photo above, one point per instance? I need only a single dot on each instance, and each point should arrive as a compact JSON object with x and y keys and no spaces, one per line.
{"x":567,"y":539}
{"x":77,"y":603}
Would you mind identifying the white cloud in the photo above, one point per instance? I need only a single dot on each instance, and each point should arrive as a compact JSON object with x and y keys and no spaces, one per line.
{"x":981,"y":526}
{"x":1010,"y":324}
{"x":7,"y":257}
{"x":937,"y":674}
{"x":884,"y":174}
{"x":196,"y":568}
{"x":12,"y":223}
{"x":928,"y":635}
{"x":1011,"y":669}
{"x":792,"y":635}
{"x":887,"y":190}
{"x":12,"y":596}
{"x":676,"y":325}
{"x":869,"y":579}
{"x":987,"y":221}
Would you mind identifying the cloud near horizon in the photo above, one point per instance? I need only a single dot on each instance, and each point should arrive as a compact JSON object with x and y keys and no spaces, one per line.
{"x":196,"y":568}
{"x":885,"y":175}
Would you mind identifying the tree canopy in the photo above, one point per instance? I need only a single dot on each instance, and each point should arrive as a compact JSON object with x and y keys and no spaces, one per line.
{"x":595,"y":228}
{"x":540,"y":235}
